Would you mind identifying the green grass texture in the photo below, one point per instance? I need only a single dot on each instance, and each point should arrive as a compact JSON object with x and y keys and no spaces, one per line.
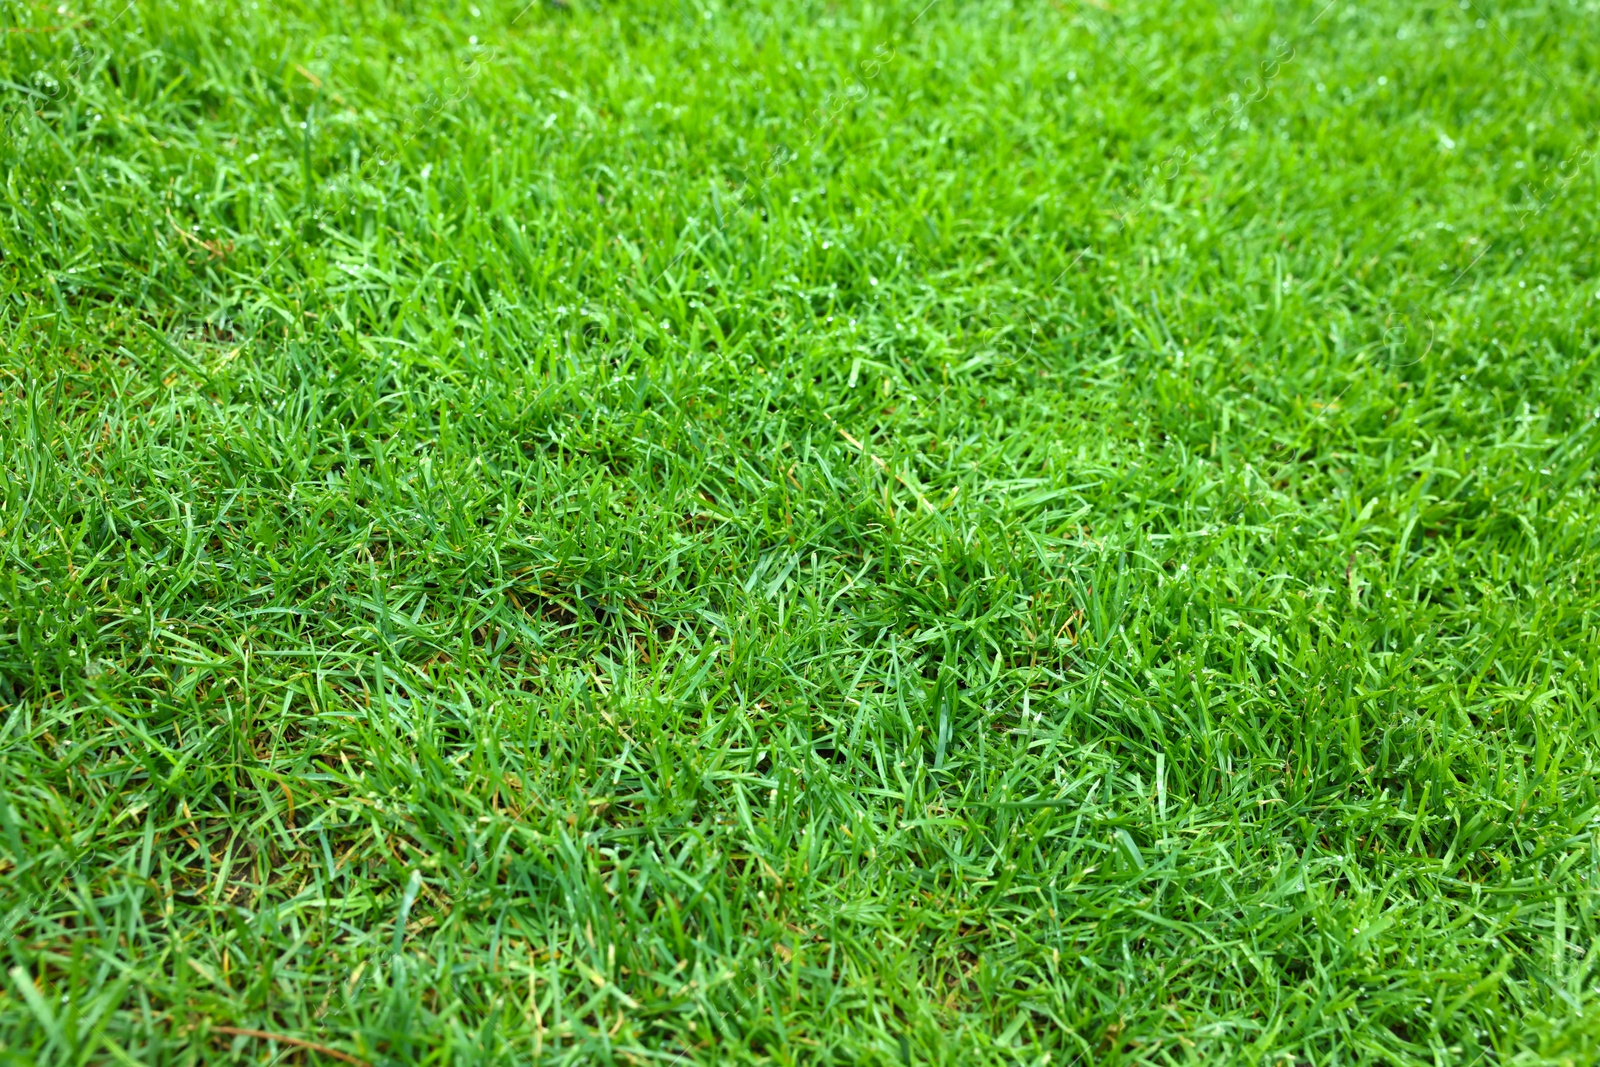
{"x":667,"y":532}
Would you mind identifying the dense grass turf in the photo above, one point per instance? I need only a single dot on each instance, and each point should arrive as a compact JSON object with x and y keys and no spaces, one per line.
{"x":1007,"y":532}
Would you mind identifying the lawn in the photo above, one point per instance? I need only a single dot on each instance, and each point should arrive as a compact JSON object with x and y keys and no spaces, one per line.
{"x":663,"y":531}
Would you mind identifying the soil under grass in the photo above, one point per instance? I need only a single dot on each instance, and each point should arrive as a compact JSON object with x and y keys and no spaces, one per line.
{"x":662,"y":532}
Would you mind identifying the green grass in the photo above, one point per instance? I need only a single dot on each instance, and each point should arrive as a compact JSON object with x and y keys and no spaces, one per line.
{"x":658,"y":532}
